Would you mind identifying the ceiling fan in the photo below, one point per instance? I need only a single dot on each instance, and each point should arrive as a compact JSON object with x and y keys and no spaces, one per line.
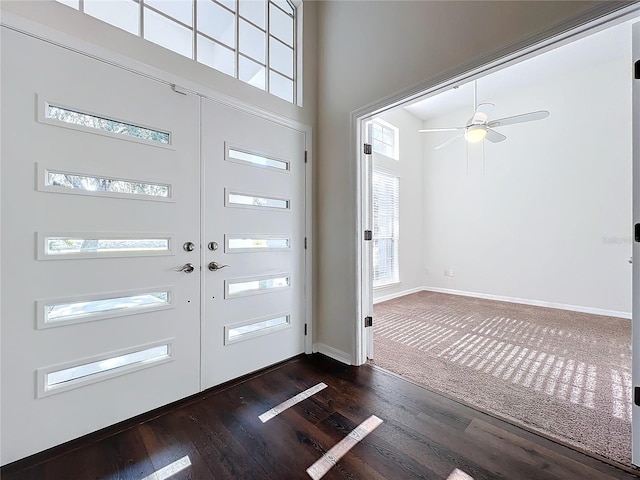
{"x":479,"y":127}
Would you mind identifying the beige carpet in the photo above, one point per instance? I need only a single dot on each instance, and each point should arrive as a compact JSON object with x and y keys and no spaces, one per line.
{"x":565,"y":374}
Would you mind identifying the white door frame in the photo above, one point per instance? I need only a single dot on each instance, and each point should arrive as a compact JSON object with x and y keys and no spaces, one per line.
{"x":635,"y":326}
{"x":465,"y":74}
{"x":62,"y":39}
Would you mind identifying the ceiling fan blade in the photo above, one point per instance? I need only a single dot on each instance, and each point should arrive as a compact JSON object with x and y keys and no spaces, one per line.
{"x":494,"y":136}
{"x":481,"y":115}
{"x":444,"y":144}
{"x":447,"y":129}
{"x":525,"y":117}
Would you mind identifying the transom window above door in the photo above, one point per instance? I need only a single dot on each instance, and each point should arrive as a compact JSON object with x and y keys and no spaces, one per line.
{"x":251,"y":40}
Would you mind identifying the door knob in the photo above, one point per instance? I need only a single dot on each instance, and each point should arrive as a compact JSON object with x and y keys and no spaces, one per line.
{"x":213,"y":266}
{"x":186,"y":268}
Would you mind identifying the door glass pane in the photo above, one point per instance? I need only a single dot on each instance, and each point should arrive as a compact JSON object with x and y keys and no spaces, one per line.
{"x":257,"y":201}
{"x":113,"y":126}
{"x":281,"y":25}
{"x":254,"y":11}
{"x":59,"y":377}
{"x":280,"y":86}
{"x":280,"y":57}
{"x":71,"y":311}
{"x":255,"y":328}
{"x":217,"y":22}
{"x":179,"y":9}
{"x":169,"y":34}
{"x":257,"y":160}
{"x":249,"y":287}
{"x":252,"y":73}
{"x":216,"y":56}
{"x":256,"y":243}
{"x":56,"y":246}
{"x":124,"y":14}
{"x":101,"y":184}
{"x":252,"y":41}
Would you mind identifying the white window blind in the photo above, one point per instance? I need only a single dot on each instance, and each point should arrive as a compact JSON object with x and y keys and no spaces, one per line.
{"x":386,"y":228}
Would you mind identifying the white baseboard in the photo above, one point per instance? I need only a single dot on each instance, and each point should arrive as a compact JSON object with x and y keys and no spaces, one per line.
{"x":333,"y":353}
{"x":391,"y":296}
{"x":537,"y":303}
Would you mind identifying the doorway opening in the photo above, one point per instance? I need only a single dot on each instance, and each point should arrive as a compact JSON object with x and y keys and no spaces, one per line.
{"x":514,"y":256}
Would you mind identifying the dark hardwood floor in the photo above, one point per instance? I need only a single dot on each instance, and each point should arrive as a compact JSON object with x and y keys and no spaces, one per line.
{"x":218,"y":435}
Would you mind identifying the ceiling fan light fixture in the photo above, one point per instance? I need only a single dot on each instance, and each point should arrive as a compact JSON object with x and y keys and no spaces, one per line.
{"x":475,"y":133}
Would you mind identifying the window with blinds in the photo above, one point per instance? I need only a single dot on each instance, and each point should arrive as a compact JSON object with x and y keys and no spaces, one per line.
{"x":386,"y":228}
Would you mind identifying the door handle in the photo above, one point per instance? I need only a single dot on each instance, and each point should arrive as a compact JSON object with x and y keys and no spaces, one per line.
{"x":186,"y":268}
{"x":213,"y":266}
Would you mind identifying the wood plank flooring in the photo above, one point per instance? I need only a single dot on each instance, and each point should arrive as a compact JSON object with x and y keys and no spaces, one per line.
{"x":217,"y":435}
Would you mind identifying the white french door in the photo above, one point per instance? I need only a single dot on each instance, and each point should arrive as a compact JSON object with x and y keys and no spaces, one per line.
{"x":635,"y":431}
{"x":113,"y":187}
{"x":100,"y":172}
{"x":254,"y":229}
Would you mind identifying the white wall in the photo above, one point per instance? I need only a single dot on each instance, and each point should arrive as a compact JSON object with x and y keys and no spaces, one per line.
{"x":358,"y":65}
{"x":550,"y":219}
{"x":409,"y":169}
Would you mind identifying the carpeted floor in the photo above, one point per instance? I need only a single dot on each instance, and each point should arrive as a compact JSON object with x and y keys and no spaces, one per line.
{"x":562,"y":373}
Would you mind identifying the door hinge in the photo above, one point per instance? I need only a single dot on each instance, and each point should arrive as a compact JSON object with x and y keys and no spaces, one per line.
{"x":368,"y":321}
{"x":637,"y":70}
{"x":178,"y":89}
{"x":305,"y":329}
{"x":636,"y":395}
{"x":637,"y":232}
{"x":368,"y":235}
{"x":367,"y":149}
{"x":305,"y":156}
{"x":305,"y":243}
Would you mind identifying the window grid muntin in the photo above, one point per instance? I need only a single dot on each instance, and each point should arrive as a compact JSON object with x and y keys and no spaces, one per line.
{"x":379,"y":143}
{"x":195,"y":31}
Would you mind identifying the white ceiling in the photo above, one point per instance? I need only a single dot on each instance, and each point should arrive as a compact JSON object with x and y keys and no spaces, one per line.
{"x":600,"y":48}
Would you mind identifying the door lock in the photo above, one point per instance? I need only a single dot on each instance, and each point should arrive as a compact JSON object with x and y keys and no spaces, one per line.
{"x":189,"y":247}
{"x":213,"y":246}
{"x":213,"y":266}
